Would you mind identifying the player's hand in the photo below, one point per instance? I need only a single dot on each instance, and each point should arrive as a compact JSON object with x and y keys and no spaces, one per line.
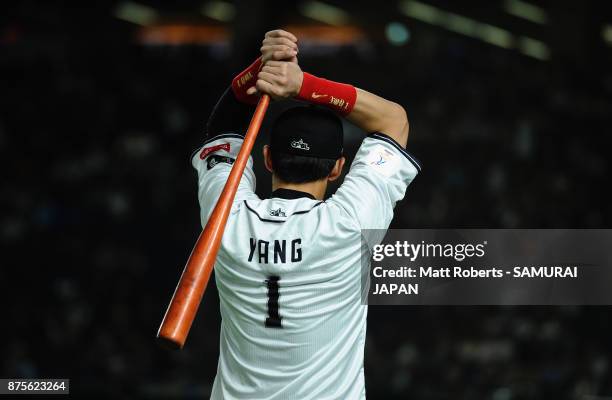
{"x":279,"y":45}
{"x":280,"y":79}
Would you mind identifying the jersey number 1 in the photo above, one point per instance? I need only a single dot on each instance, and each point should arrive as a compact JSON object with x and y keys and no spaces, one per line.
{"x":273,"y":320}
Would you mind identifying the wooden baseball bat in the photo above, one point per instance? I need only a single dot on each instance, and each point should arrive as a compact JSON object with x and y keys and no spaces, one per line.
{"x":192,"y":285}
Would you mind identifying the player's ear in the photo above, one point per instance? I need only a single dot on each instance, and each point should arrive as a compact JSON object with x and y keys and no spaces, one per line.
{"x":337,"y":170}
{"x":267,"y":155}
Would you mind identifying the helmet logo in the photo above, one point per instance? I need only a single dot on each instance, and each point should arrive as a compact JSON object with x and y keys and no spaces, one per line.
{"x":300,"y":144}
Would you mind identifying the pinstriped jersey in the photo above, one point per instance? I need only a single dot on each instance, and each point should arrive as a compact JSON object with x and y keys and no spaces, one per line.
{"x":289,"y":271}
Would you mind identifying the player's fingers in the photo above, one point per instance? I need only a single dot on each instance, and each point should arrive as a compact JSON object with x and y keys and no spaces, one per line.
{"x":274,"y":63}
{"x":270,"y":48}
{"x":282,"y":33}
{"x":281,"y":40}
{"x":275,"y":75}
{"x":278,"y":53}
{"x":278,"y":42}
{"x":267,"y":87}
{"x":252,"y":90}
{"x":275,"y":70}
{"x":270,"y":69}
{"x":284,"y":55}
{"x":269,"y":77}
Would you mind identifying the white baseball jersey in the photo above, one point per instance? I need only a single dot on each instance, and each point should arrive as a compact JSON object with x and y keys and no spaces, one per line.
{"x":289,"y":274}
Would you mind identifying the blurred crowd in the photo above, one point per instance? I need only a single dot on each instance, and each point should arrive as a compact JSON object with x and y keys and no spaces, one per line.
{"x":100,"y":211}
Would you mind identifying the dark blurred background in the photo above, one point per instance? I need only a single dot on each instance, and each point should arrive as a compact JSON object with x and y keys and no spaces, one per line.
{"x":101,"y":104}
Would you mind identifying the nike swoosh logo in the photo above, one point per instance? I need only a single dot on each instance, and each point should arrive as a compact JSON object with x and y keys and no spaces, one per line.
{"x":316,"y":96}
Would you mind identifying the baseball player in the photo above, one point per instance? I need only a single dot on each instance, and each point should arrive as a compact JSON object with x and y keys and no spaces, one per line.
{"x":289,"y":268}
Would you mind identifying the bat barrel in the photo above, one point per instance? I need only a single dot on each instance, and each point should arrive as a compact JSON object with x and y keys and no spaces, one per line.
{"x":171,"y":344}
{"x":191,"y":287}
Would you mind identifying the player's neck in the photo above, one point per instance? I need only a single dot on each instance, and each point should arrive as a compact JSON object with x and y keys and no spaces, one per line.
{"x":316,"y":188}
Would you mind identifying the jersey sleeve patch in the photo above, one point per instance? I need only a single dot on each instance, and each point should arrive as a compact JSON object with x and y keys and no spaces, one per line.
{"x":385,"y":138}
{"x":211,"y":149}
{"x":382,"y":160}
{"x":216,"y":159}
{"x":227,"y":144}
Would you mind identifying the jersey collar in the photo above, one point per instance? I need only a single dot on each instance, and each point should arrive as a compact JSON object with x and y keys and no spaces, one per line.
{"x":291,"y":194}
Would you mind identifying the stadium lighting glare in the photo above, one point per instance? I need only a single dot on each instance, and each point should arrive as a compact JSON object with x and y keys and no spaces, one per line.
{"x":478,"y":30}
{"x":526,"y":11}
{"x":606,"y":33}
{"x":496,"y":36}
{"x":462,"y":25}
{"x":422,"y":12}
{"x":136,"y":13}
{"x":397,"y":33}
{"x":533,"y":48}
{"x":324,"y":12}
{"x":219,"y":10}
{"x":475,"y":29}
